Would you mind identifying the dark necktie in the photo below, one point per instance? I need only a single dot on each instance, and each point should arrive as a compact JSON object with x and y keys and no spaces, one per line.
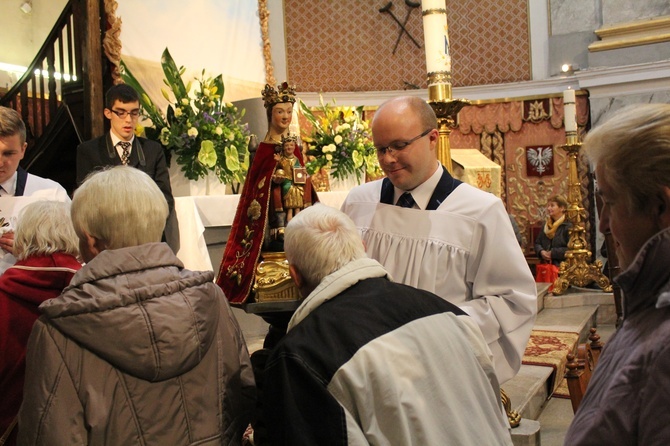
{"x":405,"y":200}
{"x":125,"y":146}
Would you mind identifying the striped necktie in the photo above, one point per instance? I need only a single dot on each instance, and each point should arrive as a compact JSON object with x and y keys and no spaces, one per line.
{"x":405,"y":201}
{"x":125,"y":146}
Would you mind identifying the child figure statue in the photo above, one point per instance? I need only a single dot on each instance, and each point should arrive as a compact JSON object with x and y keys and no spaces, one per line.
{"x":289,"y":178}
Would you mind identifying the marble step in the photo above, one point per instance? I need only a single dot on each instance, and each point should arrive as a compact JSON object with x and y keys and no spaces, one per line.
{"x":578,"y":319}
{"x":528,"y":390}
{"x":577,"y":297}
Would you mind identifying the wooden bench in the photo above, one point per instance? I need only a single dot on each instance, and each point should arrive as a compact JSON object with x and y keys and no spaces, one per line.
{"x":580,"y":367}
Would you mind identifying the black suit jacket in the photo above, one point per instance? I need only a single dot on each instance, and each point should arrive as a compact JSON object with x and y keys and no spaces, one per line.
{"x":146,"y":155}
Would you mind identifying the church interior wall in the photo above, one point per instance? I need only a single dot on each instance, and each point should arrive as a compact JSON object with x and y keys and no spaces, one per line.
{"x":573,"y":23}
{"x":348,"y":45}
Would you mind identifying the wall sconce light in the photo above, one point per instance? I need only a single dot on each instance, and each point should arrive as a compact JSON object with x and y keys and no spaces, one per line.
{"x":567,"y":68}
{"x":26,"y":7}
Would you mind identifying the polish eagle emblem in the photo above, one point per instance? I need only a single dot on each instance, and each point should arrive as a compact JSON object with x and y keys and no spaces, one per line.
{"x":540,"y":158}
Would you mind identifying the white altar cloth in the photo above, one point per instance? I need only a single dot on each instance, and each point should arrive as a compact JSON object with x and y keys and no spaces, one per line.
{"x":195,"y":213}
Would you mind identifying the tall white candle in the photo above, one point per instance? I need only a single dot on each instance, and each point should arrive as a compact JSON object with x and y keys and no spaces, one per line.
{"x":569,"y":111}
{"x":436,"y":36}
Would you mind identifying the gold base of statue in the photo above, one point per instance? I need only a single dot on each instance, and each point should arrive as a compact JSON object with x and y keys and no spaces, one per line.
{"x":273,"y":281}
{"x":577,"y":269}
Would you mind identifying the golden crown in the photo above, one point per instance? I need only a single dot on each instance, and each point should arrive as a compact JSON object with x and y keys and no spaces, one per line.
{"x":283,"y":93}
{"x":289,"y":137}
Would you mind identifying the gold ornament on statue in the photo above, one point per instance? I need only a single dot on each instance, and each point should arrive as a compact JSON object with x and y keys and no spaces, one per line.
{"x":273,"y":281}
{"x":283,"y":93}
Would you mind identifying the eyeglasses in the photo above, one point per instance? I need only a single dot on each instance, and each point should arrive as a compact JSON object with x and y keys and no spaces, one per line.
{"x":398,"y":146}
{"x":123,"y":113}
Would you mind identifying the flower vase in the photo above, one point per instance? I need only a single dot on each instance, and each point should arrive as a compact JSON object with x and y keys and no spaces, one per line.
{"x":183,"y":187}
{"x":346,"y":183}
{"x":214,"y":186}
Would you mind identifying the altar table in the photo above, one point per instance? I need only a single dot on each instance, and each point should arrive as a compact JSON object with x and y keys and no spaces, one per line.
{"x":195,"y":213}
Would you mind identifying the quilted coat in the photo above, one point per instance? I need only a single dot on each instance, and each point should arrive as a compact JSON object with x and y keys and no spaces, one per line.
{"x":137,"y":350}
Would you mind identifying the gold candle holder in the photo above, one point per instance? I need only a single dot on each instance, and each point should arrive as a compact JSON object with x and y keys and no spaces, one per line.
{"x":446,"y":109}
{"x":577,"y":269}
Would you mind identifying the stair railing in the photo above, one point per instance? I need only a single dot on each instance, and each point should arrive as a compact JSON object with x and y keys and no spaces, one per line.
{"x":37,"y":95}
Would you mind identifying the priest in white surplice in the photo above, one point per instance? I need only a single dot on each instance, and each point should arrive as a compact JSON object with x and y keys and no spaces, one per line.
{"x":447,"y":237}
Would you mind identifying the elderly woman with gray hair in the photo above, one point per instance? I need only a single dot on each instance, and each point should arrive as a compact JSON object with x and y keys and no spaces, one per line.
{"x":628,"y":396}
{"x":46,"y":248}
{"x":137,"y":350}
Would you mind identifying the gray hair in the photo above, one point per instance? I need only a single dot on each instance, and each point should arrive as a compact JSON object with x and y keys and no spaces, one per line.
{"x":633,"y":149}
{"x":320,"y":240}
{"x":11,"y":124}
{"x":120,"y":206}
{"x":44,"y":228}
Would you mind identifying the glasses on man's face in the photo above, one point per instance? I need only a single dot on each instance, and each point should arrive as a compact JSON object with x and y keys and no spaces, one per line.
{"x":123,"y":113}
{"x":400,"y":145}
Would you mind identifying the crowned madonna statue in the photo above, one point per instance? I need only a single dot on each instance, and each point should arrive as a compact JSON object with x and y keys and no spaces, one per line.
{"x":254,"y":271}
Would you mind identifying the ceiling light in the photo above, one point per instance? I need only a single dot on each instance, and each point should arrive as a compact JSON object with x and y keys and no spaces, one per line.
{"x":26,"y":7}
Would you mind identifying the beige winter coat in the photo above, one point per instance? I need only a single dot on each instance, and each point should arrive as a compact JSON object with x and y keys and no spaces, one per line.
{"x":137,"y":351}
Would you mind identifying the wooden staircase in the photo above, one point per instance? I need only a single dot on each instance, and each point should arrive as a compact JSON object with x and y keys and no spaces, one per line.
{"x":60,"y":96}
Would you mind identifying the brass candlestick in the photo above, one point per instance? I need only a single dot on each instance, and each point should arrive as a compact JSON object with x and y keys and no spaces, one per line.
{"x":576,"y":269}
{"x":446,"y":109}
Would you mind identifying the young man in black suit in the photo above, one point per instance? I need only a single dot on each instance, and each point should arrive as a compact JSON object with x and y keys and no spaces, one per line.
{"x":121,"y":146}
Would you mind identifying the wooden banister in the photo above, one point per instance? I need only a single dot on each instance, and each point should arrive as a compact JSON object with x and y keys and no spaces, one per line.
{"x":36,"y":94}
{"x":71,"y":57}
{"x":580,"y":366}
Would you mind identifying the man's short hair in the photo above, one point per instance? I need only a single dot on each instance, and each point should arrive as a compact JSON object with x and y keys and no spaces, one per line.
{"x":120,"y":206}
{"x":44,"y":228}
{"x":633,"y":148}
{"x":319,"y":240}
{"x":121,"y":92}
{"x":11,"y":124}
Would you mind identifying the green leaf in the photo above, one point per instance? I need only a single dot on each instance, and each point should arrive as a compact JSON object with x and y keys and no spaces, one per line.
{"x":173,"y":75}
{"x":308,"y":114}
{"x":147,"y":105}
{"x":218,"y":83}
{"x":170,"y":114}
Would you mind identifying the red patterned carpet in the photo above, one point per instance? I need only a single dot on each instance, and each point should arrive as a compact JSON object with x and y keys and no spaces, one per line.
{"x":550,"y":349}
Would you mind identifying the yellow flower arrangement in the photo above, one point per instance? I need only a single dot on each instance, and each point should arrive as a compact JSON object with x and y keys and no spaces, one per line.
{"x":340,"y":140}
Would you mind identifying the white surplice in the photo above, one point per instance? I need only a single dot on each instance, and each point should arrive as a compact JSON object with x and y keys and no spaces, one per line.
{"x":466,"y":252}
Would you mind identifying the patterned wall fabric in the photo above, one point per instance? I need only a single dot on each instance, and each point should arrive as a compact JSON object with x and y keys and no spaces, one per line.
{"x":347,"y":45}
